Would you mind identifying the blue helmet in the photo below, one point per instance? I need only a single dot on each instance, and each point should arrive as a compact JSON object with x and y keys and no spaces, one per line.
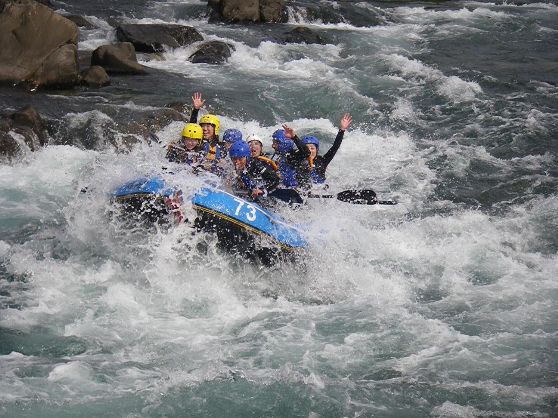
{"x":279,"y":135}
{"x":239,"y":149}
{"x":232,"y":135}
{"x":284,"y":146}
{"x":311,"y":140}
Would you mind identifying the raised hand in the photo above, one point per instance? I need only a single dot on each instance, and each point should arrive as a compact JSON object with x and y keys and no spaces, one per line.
{"x":345,"y":121}
{"x":289,"y":132}
{"x":197,"y":100}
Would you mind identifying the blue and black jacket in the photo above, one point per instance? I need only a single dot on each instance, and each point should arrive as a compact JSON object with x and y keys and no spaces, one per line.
{"x":310,"y":171}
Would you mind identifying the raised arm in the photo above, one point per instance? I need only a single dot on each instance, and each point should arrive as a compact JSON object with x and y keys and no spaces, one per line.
{"x":198,"y":102}
{"x":290,"y":133}
{"x":345,"y":122}
{"x":343,"y":125}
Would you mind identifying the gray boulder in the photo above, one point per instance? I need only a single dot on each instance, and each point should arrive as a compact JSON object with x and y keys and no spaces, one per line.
{"x":37,"y":46}
{"x":153,"y":38}
{"x":213,"y":52}
{"x":95,"y":76}
{"x":118,"y":58}
{"x":59,"y":69}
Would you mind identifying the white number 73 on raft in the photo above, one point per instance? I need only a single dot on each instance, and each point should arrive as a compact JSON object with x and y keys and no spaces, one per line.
{"x":251,"y":210}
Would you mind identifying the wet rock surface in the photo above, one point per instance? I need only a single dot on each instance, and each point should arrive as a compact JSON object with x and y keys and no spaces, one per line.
{"x":21,"y":130}
{"x":157,"y":37}
{"x":37,"y":46}
{"x":118,"y":58}
{"x":214,"y":52}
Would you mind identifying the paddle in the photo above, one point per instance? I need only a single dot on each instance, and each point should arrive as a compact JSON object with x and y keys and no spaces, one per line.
{"x":155,"y":138}
{"x":357,"y":197}
{"x":287,"y":195}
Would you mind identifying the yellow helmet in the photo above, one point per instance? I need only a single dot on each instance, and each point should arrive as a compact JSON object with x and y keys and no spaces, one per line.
{"x":192,"y":130}
{"x":213,"y":120}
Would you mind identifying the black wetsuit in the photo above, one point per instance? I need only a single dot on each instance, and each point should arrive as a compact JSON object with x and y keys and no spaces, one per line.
{"x":258,"y":175}
{"x":309,"y":173}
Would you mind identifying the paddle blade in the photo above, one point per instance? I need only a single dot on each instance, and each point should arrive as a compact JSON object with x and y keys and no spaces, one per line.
{"x":287,"y":195}
{"x":358,"y":197}
{"x":154,"y":138}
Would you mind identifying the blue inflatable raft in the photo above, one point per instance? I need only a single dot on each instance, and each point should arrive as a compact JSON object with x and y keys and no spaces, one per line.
{"x":247,"y":215}
{"x":149,"y":199}
{"x":237,"y":222}
{"x":147,"y":187}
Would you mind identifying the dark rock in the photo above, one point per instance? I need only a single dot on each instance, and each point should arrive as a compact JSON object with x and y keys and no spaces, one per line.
{"x":33,"y":41}
{"x":118,"y":58}
{"x":142,"y":128}
{"x":29,"y":117}
{"x":80,"y":21}
{"x":179,"y":106}
{"x":273,"y":11}
{"x":323,"y":12}
{"x":24,"y":128}
{"x":340,"y":12}
{"x":153,"y":38}
{"x":240,"y":10}
{"x":84,"y":58}
{"x":120,"y":130}
{"x":248,"y":10}
{"x":363,"y":17}
{"x":214,"y":11}
{"x":301,"y":35}
{"x":95,"y":76}
{"x":213,"y":52}
{"x":9,"y":147}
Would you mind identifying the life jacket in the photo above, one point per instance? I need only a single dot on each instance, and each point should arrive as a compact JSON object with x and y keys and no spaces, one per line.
{"x":247,"y":181}
{"x":268,"y":161}
{"x":176,"y":153}
{"x":212,"y":151}
{"x":314,"y":173}
{"x":287,"y":173}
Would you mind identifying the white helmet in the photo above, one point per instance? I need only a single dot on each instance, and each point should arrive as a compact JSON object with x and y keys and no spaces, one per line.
{"x":254,"y":138}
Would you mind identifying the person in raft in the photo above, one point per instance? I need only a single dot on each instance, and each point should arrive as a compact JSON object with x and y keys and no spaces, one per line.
{"x":252,"y":175}
{"x":230,"y":137}
{"x":256,"y":151}
{"x":187,"y":149}
{"x":256,"y":145}
{"x":286,"y":156}
{"x":311,"y":167}
{"x":210,"y":124}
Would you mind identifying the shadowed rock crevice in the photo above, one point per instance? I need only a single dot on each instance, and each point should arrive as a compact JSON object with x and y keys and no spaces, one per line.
{"x":21,"y":131}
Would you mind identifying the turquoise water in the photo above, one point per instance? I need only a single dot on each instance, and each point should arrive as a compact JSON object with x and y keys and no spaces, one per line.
{"x":444,"y":305}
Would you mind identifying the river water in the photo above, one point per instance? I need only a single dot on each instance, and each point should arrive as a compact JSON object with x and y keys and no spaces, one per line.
{"x":443,"y":305}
